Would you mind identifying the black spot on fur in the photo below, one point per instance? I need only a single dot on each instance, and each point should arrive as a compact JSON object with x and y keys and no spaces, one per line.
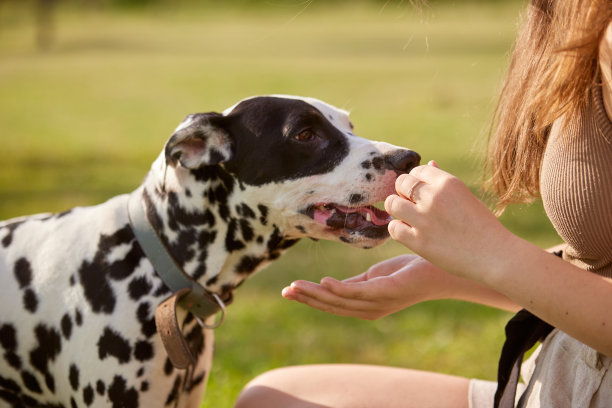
{"x":212,"y":281}
{"x":275,"y":239}
{"x":247,"y":230}
{"x":96,"y":288}
{"x":178,"y":216}
{"x":182,"y":249}
{"x":88,"y":395}
{"x":246,"y":211}
{"x":8,"y":341}
{"x":94,"y":275}
{"x":168,"y":367}
{"x":63,"y":214}
{"x":368,"y":177}
{"x":73,"y":376}
{"x":9,"y":385}
{"x":139,"y":287}
{"x":8,"y":338}
{"x":120,"y":395}
{"x":264,"y":211}
{"x":78,"y":318}
{"x":366,"y":164}
{"x":200,"y":271}
{"x":248,"y":264}
{"x":23,"y":272}
{"x":13,"y":360}
{"x":123,"y":268}
{"x":231,"y":243}
{"x":195,"y":381}
{"x":49,"y":346}
{"x":66,"y":325}
{"x":112,"y":344}
{"x":144,"y":386}
{"x":174,"y":393}
{"x":378,"y":162}
{"x":147,"y":322}
{"x":195,"y":340}
{"x":162,"y":289}
{"x":73,"y":403}
{"x":8,"y":238}
{"x":355,"y":198}
{"x":143,"y":350}
{"x":30,"y":301}
{"x":30,"y":382}
{"x":100,"y":387}
{"x":206,"y":238}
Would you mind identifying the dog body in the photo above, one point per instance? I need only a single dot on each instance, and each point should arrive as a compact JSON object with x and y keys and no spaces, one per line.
{"x":229,"y":193}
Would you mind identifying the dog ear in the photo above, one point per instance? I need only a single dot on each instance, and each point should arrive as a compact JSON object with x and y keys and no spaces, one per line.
{"x":200,"y":140}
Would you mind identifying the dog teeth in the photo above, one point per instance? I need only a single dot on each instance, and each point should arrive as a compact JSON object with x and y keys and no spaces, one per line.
{"x":368,"y":217}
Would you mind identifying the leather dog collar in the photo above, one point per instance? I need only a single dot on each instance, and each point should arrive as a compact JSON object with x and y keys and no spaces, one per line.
{"x":186,"y":292}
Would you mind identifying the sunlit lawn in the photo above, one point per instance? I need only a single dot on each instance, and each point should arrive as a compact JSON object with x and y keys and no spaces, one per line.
{"x":82,"y":122}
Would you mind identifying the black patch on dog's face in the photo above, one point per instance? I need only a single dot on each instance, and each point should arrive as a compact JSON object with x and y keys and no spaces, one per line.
{"x":277,"y":139}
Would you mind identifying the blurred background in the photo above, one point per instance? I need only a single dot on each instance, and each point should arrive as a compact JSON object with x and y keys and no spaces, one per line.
{"x":91,"y":89}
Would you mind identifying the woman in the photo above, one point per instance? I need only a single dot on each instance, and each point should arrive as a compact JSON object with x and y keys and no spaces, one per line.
{"x":552,"y":137}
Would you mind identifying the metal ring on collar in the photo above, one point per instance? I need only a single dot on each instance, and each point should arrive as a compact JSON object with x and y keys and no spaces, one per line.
{"x":217,"y":323}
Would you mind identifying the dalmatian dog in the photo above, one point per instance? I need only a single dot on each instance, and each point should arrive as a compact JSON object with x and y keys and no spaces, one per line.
{"x":229,"y":193}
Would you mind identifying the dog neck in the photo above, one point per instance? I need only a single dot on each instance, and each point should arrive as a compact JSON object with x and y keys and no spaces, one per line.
{"x":215,"y":237}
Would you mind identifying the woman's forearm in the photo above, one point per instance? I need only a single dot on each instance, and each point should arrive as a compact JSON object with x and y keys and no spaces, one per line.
{"x":575,"y":301}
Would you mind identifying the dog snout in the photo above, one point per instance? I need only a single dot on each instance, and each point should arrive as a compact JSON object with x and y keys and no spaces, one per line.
{"x":402,"y":161}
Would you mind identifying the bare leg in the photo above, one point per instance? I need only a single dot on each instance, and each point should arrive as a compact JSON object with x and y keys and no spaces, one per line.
{"x":353,"y":386}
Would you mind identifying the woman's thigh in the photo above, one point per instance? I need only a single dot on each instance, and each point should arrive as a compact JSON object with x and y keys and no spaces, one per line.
{"x":353,"y":386}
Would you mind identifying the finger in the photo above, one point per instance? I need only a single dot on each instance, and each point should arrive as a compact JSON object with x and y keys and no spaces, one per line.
{"x":428,"y":173}
{"x":357,"y":278}
{"x":405,"y":184}
{"x":339,"y":306}
{"x":323,"y":295}
{"x":433,"y":163}
{"x":401,"y":208}
{"x":349,"y":290}
{"x":401,"y":232}
{"x":328,"y":308}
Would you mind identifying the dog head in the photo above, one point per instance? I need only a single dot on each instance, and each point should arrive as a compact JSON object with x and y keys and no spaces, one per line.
{"x":299,"y":159}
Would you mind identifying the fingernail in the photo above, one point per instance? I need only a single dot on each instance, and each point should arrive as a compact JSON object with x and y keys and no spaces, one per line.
{"x":287,"y":293}
{"x":388,"y":202}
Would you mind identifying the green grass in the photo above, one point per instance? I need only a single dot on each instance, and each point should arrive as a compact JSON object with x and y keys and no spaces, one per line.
{"x":82,"y":122}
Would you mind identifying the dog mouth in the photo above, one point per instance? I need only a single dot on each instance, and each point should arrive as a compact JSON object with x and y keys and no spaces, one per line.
{"x":365,"y":220}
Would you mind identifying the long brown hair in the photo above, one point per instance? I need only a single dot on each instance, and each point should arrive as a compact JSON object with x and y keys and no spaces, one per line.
{"x":553,"y":67}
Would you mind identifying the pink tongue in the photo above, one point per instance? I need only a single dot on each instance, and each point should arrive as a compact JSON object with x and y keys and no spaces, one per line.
{"x":321,"y":216}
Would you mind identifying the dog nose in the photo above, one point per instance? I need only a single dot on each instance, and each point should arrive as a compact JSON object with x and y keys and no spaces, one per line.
{"x":403,"y":161}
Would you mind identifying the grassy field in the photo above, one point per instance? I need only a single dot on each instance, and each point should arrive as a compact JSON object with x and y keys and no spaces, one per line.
{"x":82,"y":121}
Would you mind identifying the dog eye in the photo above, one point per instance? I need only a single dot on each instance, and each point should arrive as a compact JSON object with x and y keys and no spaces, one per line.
{"x":305,"y":136}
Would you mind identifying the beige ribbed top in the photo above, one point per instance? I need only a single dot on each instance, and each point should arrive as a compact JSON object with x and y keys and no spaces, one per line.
{"x":576,"y":186}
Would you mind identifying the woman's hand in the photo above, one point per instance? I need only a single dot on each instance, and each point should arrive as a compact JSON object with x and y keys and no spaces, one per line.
{"x":439,"y":218}
{"x":385,"y":288}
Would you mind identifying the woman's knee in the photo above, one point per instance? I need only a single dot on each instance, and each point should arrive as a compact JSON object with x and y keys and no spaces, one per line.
{"x":275,"y":388}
